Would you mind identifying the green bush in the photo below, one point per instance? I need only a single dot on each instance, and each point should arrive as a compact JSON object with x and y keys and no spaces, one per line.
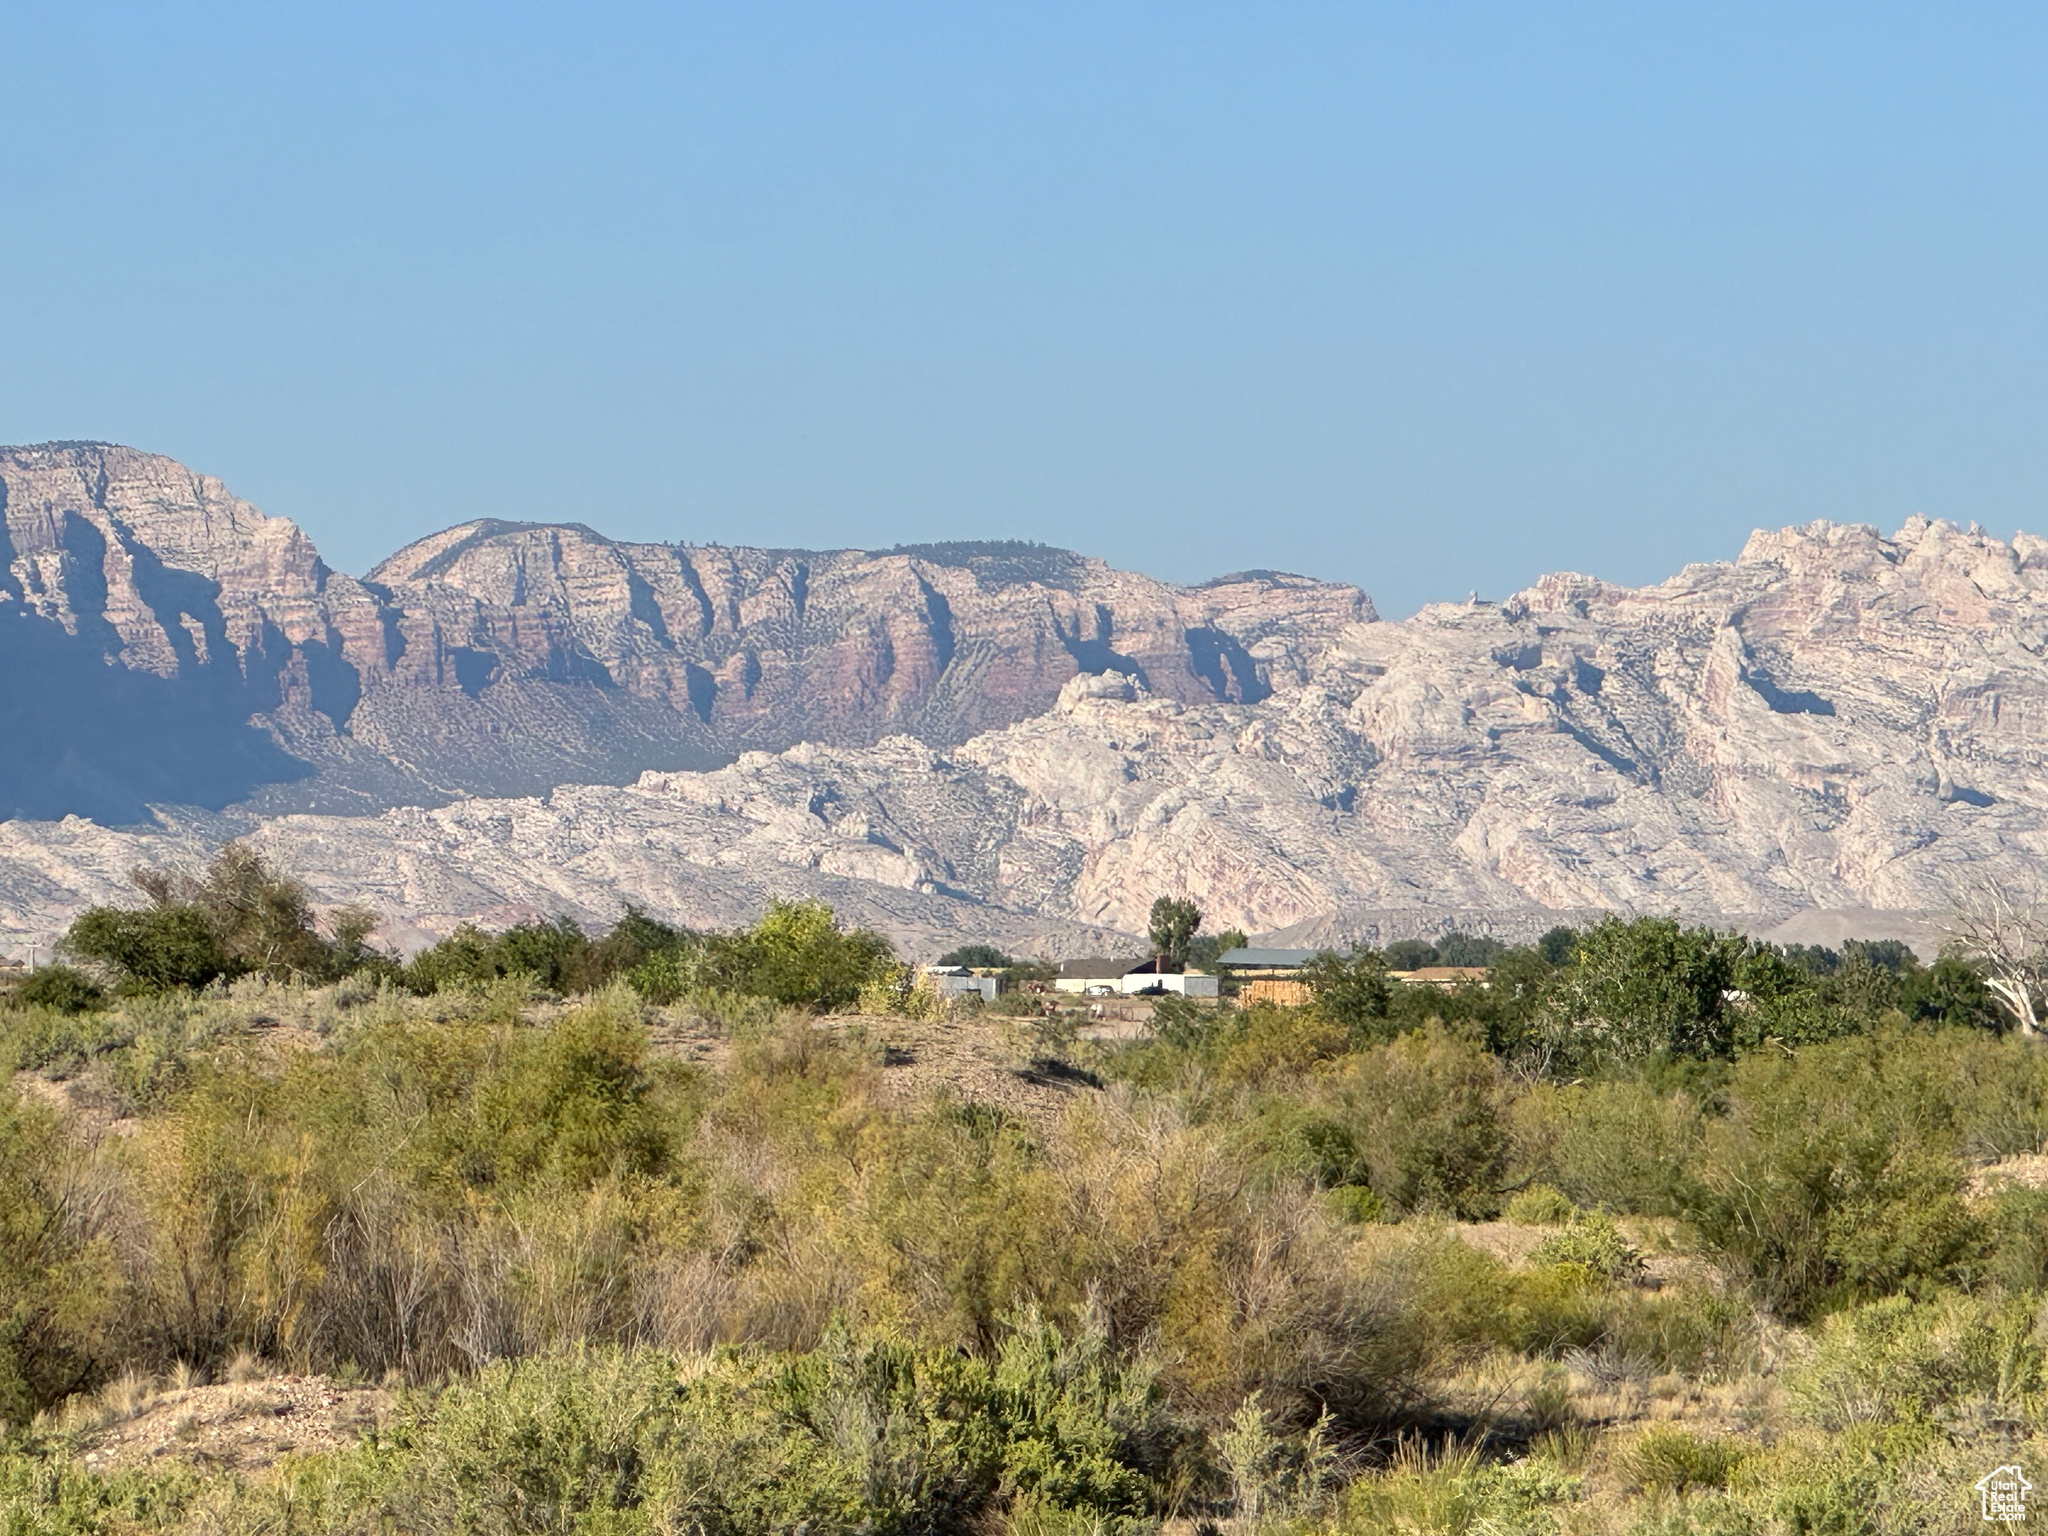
{"x":58,"y":1279}
{"x":51,"y":1495}
{"x":1540,"y":1205}
{"x":797,"y":955}
{"x":1425,"y":1111}
{"x":2019,"y":1240}
{"x":1356,"y":1204}
{"x":1838,"y":1174}
{"x":59,"y":988}
{"x":1622,"y":1145}
{"x":1298,"y":1140}
{"x":1901,"y":1361}
{"x":1667,"y":1459}
{"x":1351,"y":991}
{"x":861,"y":1435}
{"x":241,"y":916}
{"x":154,"y":949}
{"x":1470,"y":1302}
{"x":1592,"y":1242}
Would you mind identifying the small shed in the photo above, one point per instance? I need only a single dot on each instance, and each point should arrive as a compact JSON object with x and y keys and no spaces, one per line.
{"x":1153,"y":976}
{"x":951,"y":981}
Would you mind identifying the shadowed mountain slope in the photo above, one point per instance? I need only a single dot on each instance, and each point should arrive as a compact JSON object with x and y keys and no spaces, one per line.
{"x":170,"y":643}
{"x":1836,"y":722}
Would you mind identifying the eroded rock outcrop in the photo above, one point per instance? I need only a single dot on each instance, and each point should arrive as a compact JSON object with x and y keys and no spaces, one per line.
{"x":1023,"y":744}
{"x":501,"y":658}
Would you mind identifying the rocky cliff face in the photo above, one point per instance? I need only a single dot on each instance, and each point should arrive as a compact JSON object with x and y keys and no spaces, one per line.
{"x":1834,"y":721}
{"x":174,"y":645}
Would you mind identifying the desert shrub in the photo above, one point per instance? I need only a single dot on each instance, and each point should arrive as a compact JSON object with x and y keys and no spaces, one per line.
{"x":1357,"y":1204}
{"x":1902,"y":1361}
{"x":1296,"y":1139}
{"x":669,"y":976}
{"x":1593,"y":1243}
{"x":1263,"y":1041}
{"x":554,"y":954}
{"x":59,"y":1287}
{"x":1621,"y":1145}
{"x":863,"y":1434}
{"x":421,"y":1197}
{"x":1703,"y":1332}
{"x":558,"y":957}
{"x":1469,"y":1302}
{"x":242,"y":915}
{"x":1541,"y":1205}
{"x":1427,"y":1111}
{"x":52,"y":1495}
{"x":947,"y":1222}
{"x":902,"y":990}
{"x":2019,"y":1239}
{"x":1456,"y":1489}
{"x":58,"y":988}
{"x":61,"y":1044}
{"x":798,"y":956}
{"x":1837,"y":1175}
{"x":1666,"y":1459}
{"x":261,"y":918}
{"x":1248,"y":1286}
{"x":141,"y":1051}
{"x":939,"y":1226}
{"x":1202,"y":1049}
{"x":1872,"y":1481}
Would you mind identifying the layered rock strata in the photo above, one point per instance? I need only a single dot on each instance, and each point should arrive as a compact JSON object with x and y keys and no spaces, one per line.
{"x":172,"y":644}
{"x":1836,"y":721}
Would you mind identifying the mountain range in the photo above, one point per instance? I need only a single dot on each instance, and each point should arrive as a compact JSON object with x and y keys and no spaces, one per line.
{"x":997,"y":740}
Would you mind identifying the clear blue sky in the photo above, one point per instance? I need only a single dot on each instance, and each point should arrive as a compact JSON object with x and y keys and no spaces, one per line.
{"x":1429,"y":297}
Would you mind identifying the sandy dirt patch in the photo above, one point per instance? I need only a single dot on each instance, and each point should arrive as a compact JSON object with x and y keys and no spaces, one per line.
{"x":239,"y":1427}
{"x":987,"y":1059}
{"x":2028,"y":1171}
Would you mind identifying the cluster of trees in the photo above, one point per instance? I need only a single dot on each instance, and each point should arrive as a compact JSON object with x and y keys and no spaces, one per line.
{"x":1625,"y":991}
{"x":241,"y":916}
{"x":1648,"y":988}
{"x":1175,"y":931}
{"x":245,"y":917}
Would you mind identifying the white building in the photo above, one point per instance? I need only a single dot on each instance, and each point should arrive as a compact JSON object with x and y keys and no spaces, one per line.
{"x":1112,"y":978}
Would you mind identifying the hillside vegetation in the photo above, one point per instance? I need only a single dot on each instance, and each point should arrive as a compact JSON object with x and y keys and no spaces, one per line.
{"x":1658,"y":1231}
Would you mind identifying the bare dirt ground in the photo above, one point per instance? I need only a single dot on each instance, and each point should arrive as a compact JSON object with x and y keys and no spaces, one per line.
{"x":985,"y":1058}
{"x":238,"y":1427}
{"x":89,"y":1110}
{"x":1512,"y":1242}
{"x":2028,"y":1171}
{"x":690,"y":1038}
